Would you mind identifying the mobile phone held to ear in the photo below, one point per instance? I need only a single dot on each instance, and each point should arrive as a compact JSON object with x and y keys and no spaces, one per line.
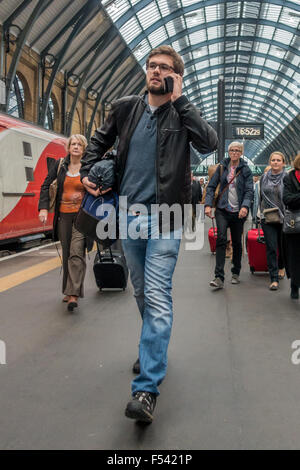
{"x":169,"y":83}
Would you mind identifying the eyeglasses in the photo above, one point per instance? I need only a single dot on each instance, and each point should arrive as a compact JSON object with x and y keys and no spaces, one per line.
{"x":235,"y":150}
{"x":162,"y":67}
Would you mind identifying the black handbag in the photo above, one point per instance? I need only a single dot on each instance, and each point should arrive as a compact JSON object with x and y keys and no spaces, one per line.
{"x":291,"y":221}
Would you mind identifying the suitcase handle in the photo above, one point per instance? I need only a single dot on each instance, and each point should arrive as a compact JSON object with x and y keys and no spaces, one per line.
{"x":99,"y":253}
{"x":260,"y":239}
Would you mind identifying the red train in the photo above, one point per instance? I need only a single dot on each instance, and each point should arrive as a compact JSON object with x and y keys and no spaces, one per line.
{"x":26,"y":153}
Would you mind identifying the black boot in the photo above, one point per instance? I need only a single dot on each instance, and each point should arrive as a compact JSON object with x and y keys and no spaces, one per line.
{"x":294,"y":292}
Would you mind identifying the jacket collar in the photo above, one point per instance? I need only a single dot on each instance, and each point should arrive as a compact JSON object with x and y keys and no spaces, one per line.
{"x":160,"y":108}
{"x":66,"y":161}
{"x":226,"y":163}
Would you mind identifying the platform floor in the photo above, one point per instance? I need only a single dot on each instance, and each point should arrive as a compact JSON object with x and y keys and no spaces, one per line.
{"x":230,"y":384}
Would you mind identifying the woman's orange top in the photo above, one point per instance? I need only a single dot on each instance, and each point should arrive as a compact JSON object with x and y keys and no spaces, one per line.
{"x":72,"y":194}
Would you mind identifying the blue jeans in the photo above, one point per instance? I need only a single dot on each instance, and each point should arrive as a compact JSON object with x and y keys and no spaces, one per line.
{"x":151,"y":263}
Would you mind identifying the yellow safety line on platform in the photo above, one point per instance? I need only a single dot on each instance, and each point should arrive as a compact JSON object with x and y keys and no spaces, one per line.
{"x":13,"y":280}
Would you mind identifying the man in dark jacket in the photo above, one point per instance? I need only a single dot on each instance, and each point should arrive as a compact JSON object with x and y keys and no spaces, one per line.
{"x":152,"y":167}
{"x":236,"y":195}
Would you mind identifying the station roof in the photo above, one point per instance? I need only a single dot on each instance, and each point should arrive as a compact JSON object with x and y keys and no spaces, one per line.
{"x":103,"y":46}
{"x":254,"y":45}
{"x":77,"y":37}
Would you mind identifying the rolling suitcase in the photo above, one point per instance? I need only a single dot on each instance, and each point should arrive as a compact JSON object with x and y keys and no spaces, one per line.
{"x":256,"y":249}
{"x":212,"y":237}
{"x":110,"y":269}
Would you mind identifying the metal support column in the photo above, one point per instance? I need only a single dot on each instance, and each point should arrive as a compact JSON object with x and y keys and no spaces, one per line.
{"x":64,"y":98}
{"x":221,"y":118}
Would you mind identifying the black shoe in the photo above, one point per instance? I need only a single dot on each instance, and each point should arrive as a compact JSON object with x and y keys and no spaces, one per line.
{"x":294,"y":292}
{"x":136,"y":367}
{"x":71,"y":306}
{"x":141,"y":407}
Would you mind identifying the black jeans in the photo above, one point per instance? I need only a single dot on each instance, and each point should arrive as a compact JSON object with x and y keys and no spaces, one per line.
{"x":273,"y":239}
{"x":226,"y":219}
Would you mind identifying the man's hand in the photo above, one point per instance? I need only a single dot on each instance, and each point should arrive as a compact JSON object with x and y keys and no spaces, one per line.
{"x":208,"y":211}
{"x":177,"y":88}
{"x":243,"y":213}
{"x":43,"y":215}
{"x":88,"y":185}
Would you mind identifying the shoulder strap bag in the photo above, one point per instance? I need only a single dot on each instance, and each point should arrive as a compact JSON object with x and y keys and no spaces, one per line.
{"x":272,"y":215}
{"x":219,"y":195}
{"x":53,"y":189}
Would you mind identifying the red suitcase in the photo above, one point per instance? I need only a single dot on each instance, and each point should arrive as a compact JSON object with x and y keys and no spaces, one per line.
{"x":256,"y":249}
{"x":212,"y":237}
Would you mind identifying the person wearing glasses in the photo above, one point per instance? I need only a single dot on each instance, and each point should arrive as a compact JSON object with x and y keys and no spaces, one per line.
{"x":152,"y":167}
{"x":235,"y":197}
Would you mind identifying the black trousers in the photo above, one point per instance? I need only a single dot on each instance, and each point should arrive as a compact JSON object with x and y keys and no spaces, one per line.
{"x":225,"y":219}
{"x":273,"y":239}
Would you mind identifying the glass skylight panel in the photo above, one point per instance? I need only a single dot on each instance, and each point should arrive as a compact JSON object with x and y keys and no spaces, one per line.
{"x":164,"y":7}
{"x":204,"y":64}
{"x":213,"y":32}
{"x":233,"y":9}
{"x":246,"y":45}
{"x":258,"y":60}
{"x":251,"y":9}
{"x":194,"y":18}
{"x":272,"y":64}
{"x":158,"y":37}
{"x":211,"y":13}
{"x":230,"y":69}
{"x":262,"y":47}
{"x":248,"y":29}
{"x":171,"y":28}
{"x":215,"y":61}
{"x":148,"y":15}
{"x":241,"y":70}
{"x":287,"y":17}
{"x":213,"y":48}
{"x":231,"y":46}
{"x":252,"y":80}
{"x":130,"y":30}
{"x":198,"y":37}
{"x":232,"y":29}
{"x":266,"y":31}
{"x":117,"y":8}
{"x":243,"y":59}
{"x":273,"y":12}
{"x":283,"y":36}
{"x":186,"y":3}
{"x":230,"y":59}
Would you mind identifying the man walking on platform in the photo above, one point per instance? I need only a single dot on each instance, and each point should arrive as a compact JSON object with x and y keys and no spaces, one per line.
{"x":152,"y":167}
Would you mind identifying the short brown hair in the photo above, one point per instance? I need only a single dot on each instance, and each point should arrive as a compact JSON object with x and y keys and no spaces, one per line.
{"x":296,"y":162}
{"x":168,"y":50}
{"x":277,"y":153}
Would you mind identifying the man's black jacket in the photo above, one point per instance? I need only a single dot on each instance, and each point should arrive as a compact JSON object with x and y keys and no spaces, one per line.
{"x":178,"y":124}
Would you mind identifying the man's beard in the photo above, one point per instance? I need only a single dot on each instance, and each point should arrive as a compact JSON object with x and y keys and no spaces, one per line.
{"x":155,"y":90}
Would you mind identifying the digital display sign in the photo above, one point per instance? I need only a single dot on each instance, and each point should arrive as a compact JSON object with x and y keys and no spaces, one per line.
{"x":247,"y":130}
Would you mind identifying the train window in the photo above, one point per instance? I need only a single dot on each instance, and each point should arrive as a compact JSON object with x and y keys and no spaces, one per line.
{"x":29,"y":173}
{"x":27,"y":149}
